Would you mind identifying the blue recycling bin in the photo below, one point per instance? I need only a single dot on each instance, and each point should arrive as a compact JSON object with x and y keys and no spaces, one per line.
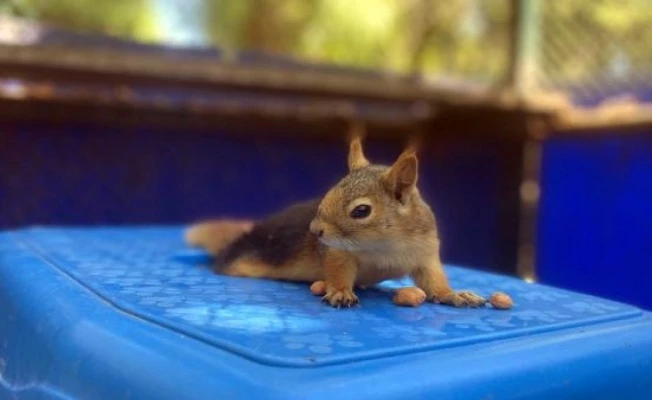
{"x":131,"y":313}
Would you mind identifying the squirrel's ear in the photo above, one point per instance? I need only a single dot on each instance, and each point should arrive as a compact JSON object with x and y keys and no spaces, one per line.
{"x":401,"y":178}
{"x":357,"y":159}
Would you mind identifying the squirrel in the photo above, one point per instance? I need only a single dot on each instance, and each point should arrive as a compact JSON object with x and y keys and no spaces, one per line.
{"x":373,"y":225}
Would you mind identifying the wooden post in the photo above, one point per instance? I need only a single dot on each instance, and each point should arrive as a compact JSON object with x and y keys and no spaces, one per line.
{"x":522,"y":71}
{"x":530,"y":193}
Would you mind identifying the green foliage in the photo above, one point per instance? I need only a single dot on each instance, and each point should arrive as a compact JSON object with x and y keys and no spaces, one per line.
{"x":461,"y":38}
{"x":126,"y":18}
{"x":402,"y":35}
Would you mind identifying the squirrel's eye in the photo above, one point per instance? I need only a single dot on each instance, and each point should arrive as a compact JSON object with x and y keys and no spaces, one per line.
{"x":361,"y":211}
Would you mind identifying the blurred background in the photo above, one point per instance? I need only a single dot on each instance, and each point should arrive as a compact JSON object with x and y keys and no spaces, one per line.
{"x":534,"y":119}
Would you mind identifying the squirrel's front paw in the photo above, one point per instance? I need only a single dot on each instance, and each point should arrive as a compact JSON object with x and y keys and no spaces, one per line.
{"x":462,"y":299}
{"x":340,"y":298}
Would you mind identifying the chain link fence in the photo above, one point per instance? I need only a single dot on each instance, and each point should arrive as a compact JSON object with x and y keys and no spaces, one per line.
{"x":597,"y":49}
{"x":592,"y":49}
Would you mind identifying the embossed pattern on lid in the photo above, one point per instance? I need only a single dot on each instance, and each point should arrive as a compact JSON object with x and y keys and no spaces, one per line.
{"x":149,"y":273}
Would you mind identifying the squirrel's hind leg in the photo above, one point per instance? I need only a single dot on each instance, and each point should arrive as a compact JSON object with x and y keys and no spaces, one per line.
{"x":298,"y":270}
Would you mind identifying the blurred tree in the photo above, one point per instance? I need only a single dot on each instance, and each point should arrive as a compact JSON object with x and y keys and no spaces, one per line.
{"x":125,"y":18}
{"x":272,"y":26}
{"x":402,"y":35}
{"x":460,"y":38}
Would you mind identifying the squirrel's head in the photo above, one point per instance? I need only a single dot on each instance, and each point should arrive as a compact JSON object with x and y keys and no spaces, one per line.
{"x":374,"y":206}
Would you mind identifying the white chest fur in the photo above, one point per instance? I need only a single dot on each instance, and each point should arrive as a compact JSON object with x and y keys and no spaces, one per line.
{"x":397,"y":261}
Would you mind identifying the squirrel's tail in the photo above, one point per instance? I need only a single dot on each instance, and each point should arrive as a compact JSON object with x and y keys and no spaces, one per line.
{"x":215,"y":235}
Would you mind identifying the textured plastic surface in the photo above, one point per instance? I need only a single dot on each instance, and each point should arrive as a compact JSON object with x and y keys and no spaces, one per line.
{"x":131,"y":313}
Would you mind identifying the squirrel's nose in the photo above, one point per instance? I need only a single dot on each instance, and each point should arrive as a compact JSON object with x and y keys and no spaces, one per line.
{"x":316,"y":229}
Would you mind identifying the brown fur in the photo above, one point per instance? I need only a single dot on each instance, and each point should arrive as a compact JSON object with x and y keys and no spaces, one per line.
{"x":214,"y":236}
{"x":398,"y":238}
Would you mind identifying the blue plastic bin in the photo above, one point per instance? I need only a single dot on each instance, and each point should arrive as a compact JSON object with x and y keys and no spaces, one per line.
{"x":130,"y":313}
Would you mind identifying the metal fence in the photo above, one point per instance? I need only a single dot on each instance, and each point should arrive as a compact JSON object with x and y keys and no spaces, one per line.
{"x":589,"y":49}
{"x":596,"y":49}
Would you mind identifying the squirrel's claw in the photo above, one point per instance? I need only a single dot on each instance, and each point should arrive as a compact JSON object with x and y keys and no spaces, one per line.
{"x":340,"y":298}
{"x":462,"y":299}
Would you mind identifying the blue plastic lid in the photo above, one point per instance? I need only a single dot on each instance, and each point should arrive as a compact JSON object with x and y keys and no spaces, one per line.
{"x":154,"y":281}
{"x":149,"y":274}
